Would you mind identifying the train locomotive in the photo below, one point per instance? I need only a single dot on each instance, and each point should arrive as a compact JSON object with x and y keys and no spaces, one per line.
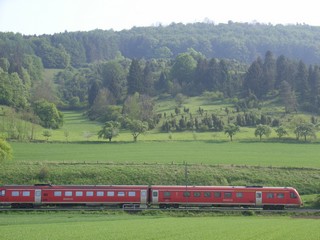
{"x":144,"y":196}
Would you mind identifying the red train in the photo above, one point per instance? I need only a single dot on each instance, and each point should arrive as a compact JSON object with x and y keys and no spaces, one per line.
{"x":149,"y":196}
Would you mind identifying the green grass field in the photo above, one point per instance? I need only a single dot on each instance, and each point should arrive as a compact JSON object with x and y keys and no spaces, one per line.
{"x":78,"y":226}
{"x":199,"y":152}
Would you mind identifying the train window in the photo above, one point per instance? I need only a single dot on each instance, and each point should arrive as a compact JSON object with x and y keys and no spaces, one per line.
{"x":154,"y":194}
{"x":132,"y":194}
{"x":89,"y":194}
{"x":110,"y":194}
{"x":121,"y":194}
{"x":227,"y":195}
{"x":57,"y":193}
{"x":79,"y":194}
{"x":166,"y":194}
{"x":270,"y":195}
{"x":100,"y":194}
{"x":15,"y":194}
{"x":293,"y":195}
{"x":207,"y":194}
{"x":186,"y":194}
{"x":280,"y":195}
{"x":26,"y":193}
{"x":217,"y":194}
{"x":196,"y":194}
{"x":68,"y":194}
{"x":2,"y":193}
{"x":239,"y":195}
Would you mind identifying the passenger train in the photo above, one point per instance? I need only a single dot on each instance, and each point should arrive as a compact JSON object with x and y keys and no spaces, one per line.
{"x":143,"y":196}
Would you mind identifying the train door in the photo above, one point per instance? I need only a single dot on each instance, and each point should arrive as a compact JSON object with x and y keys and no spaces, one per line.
{"x":155,"y":196}
{"x":143,"y":197}
{"x":258,"y":198}
{"x":37,"y":196}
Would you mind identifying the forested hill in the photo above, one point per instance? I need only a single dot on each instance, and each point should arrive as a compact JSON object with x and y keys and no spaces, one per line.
{"x":240,"y":41}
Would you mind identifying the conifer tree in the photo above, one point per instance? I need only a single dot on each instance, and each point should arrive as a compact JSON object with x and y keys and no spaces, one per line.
{"x":135,"y":78}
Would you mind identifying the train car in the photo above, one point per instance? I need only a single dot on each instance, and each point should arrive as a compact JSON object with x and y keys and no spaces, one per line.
{"x":49,"y":195}
{"x":219,"y":196}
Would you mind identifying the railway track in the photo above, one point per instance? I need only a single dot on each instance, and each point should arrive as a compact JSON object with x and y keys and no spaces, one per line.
{"x":182,"y":209}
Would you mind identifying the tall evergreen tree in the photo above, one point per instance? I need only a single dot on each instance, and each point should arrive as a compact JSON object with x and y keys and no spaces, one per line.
{"x":314,"y":83}
{"x":135,"y":78}
{"x":200,"y":80}
{"x":93,"y":90}
{"x":147,"y":80}
{"x":163,"y":84}
{"x":253,"y":81}
{"x":284,"y":71}
{"x":269,"y":72}
{"x":301,"y":82}
{"x":224,"y":79}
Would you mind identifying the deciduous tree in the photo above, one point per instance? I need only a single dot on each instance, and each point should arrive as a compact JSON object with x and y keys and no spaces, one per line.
{"x":281,"y":131}
{"x":262,"y":130}
{"x":48,"y":113}
{"x":231,"y":130}
{"x":137,"y":127}
{"x":5,"y":150}
{"x":109,"y":130}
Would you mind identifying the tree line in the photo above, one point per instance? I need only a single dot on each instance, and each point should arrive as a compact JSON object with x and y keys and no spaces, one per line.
{"x":240,"y":41}
{"x":102,"y":86}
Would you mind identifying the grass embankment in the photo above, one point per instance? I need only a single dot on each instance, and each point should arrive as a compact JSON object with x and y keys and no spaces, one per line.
{"x":100,"y":226}
{"x":305,"y":180}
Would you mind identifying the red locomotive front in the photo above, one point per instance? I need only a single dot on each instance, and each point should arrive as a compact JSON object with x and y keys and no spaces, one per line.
{"x":216,"y":196}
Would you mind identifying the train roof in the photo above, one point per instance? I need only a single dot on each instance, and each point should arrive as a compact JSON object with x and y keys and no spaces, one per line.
{"x":218,"y":187}
{"x":73,"y":186}
{"x":190,"y":187}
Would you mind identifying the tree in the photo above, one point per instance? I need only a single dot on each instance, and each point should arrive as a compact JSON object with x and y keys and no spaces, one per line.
{"x":288,"y":97}
{"x":253,"y":81}
{"x":301,"y":82}
{"x":48,"y":113}
{"x":163,"y":84}
{"x":183,"y":69}
{"x":305,"y":129}
{"x":281,"y":131}
{"x":113,"y":78}
{"x":231,"y":130}
{"x":5,"y":150}
{"x":135,"y":78}
{"x":101,"y":103}
{"x":262,"y":130}
{"x":137,"y":127}
{"x":44,"y":90}
{"x":179,"y":99}
{"x":47,"y":134}
{"x":138,"y":107}
{"x":269,"y":72}
{"x":109,"y":130}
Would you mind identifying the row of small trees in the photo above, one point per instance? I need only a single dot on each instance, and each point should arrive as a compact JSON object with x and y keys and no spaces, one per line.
{"x":301,"y":130}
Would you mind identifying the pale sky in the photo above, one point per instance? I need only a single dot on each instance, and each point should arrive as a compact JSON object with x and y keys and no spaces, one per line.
{"x":54,"y":16}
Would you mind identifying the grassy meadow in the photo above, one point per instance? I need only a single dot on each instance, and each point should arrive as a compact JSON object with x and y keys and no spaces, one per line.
{"x":193,"y":152}
{"x":107,"y":226}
